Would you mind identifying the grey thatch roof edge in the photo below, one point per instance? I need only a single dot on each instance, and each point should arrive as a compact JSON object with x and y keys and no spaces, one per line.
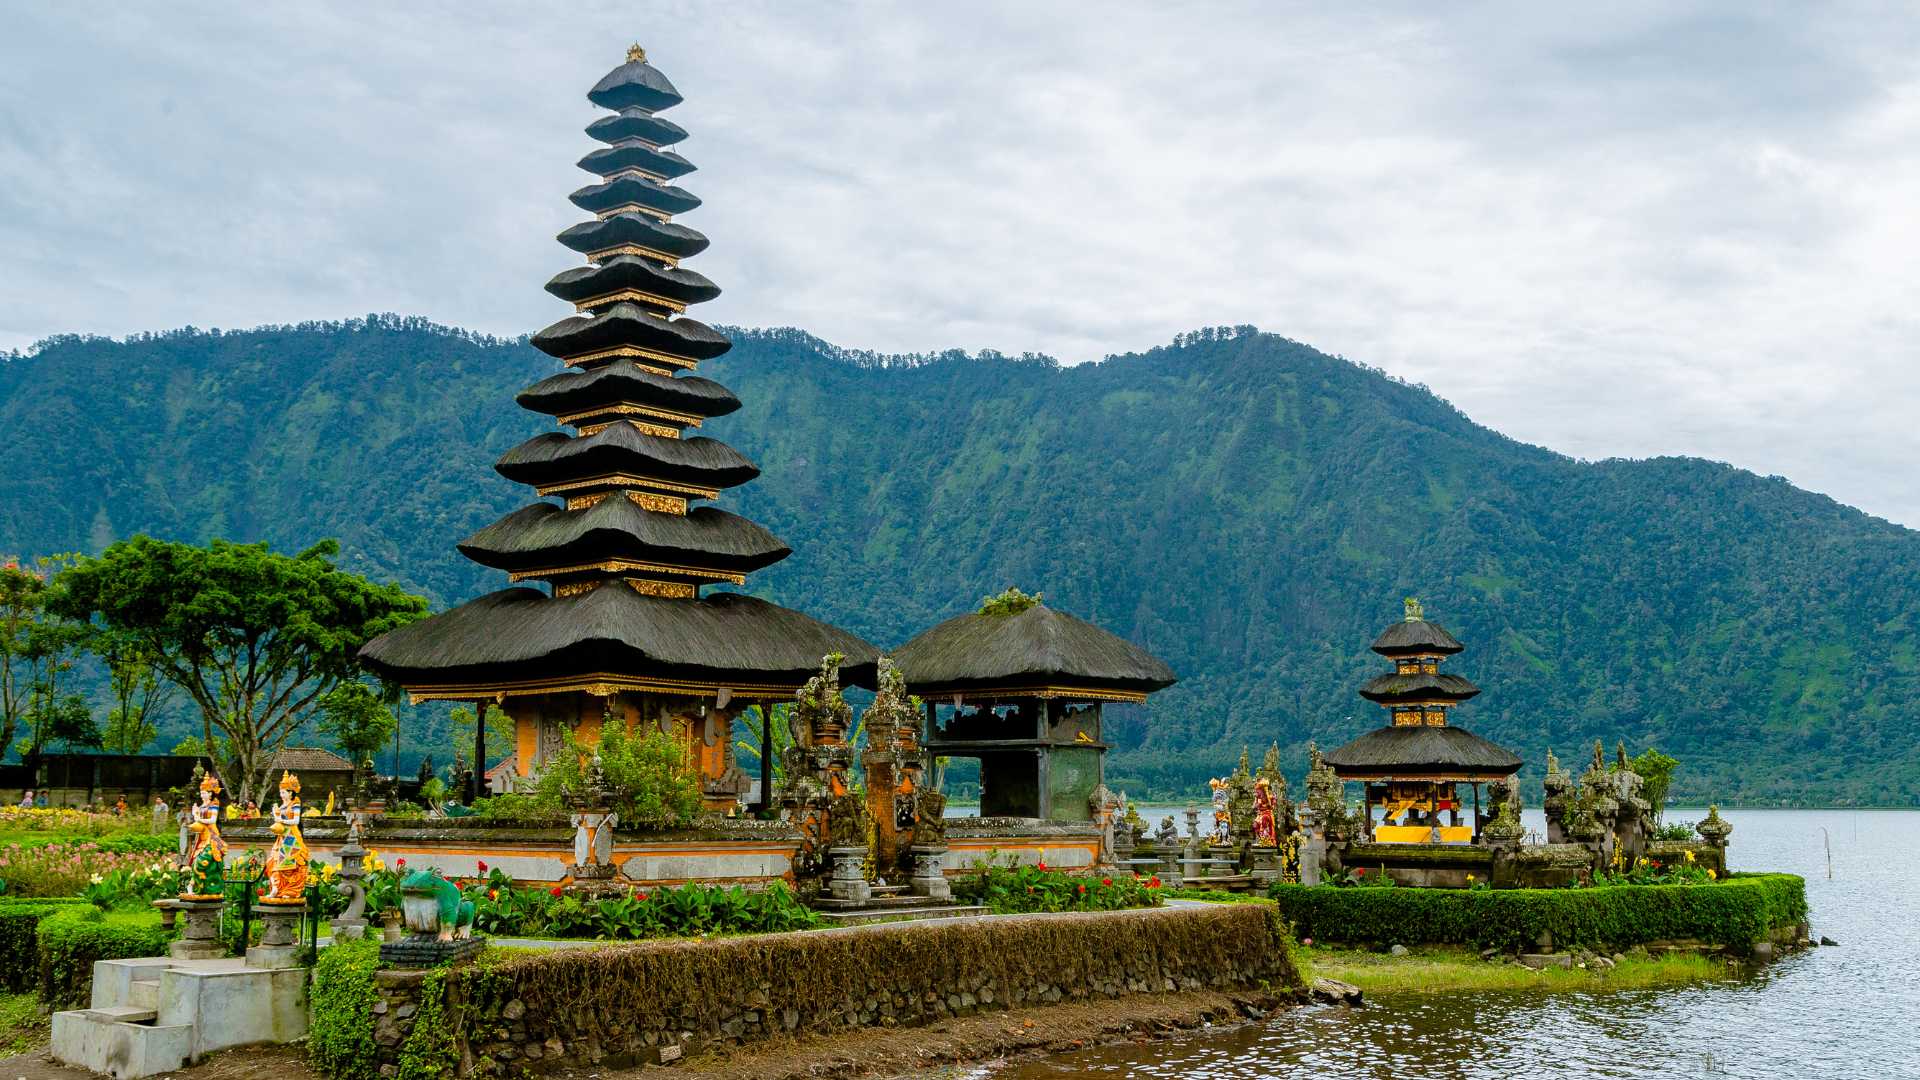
{"x":1416,"y":635}
{"x":524,"y":634}
{"x":1038,"y":645}
{"x":545,"y":535}
{"x":1423,"y":750}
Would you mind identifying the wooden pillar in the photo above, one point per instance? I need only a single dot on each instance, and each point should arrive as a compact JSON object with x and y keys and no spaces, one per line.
{"x":478,"y":785}
{"x":766,"y":757}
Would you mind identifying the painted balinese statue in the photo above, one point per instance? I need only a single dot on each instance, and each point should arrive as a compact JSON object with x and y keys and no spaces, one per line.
{"x":1266,"y":831}
{"x":1222,"y":817}
{"x":287,"y":859}
{"x":206,"y":851}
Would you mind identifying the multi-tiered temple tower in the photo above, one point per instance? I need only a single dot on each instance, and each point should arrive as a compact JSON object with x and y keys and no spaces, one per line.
{"x":1412,"y":766}
{"x":623,"y":629}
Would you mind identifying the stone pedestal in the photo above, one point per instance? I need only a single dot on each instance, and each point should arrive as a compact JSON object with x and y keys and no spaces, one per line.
{"x":849,"y":881}
{"x":1266,"y":863}
{"x":352,"y":923}
{"x":929,"y":872}
{"x":199,"y":930}
{"x":277,"y":925}
{"x":427,"y":950}
{"x":1313,"y":856}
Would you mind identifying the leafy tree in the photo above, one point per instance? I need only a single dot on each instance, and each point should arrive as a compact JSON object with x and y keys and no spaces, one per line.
{"x":37,"y":649}
{"x":192,"y":745}
{"x":500,"y":733}
{"x":65,"y":720}
{"x":648,"y":776}
{"x":1656,"y":774}
{"x":134,"y":679}
{"x":253,"y":637}
{"x":357,"y":719}
{"x":746,"y":739}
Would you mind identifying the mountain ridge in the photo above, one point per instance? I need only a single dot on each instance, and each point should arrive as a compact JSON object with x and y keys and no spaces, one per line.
{"x":1247,"y":507}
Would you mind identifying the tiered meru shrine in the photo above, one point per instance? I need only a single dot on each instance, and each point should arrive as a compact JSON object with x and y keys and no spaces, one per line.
{"x":618,"y":613}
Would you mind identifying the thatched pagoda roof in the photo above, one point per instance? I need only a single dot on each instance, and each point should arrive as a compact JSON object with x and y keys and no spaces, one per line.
{"x":628,"y":323}
{"x":576,"y":391}
{"x":553,"y":458}
{"x":635,"y":228}
{"x":1393,"y":688}
{"x":543,"y":536}
{"x":1422,"y":752}
{"x":1038,"y":648}
{"x":636,"y":123}
{"x":585,"y":283}
{"x":635,"y":84}
{"x":1412,"y":637}
{"x":525,"y":637}
{"x":635,"y":154}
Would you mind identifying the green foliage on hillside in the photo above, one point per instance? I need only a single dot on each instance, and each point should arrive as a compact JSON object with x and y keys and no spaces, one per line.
{"x":1246,"y":507}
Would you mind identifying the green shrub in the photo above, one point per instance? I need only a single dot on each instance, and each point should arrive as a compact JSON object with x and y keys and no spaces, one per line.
{"x":1734,"y":913}
{"x":1009,"y":890}
{"x":20,"y":940}
{"x":500,"y":908}
{"x":73,"y":937}
{"x":653,"y":784}
{"x":340,"y":1038}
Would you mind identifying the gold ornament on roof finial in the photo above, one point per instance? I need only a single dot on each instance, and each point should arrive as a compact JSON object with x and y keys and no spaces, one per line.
{"x":636,"y":54}
{"x":1414,"y":612}
{"x":289,"y":782}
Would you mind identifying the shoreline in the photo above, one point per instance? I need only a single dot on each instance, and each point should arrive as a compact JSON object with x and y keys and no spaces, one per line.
{"x":1439,"y":969}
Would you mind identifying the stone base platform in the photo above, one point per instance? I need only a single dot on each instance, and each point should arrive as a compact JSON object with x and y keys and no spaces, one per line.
{"x":424,"y":952}
{"x":156,"y":1014}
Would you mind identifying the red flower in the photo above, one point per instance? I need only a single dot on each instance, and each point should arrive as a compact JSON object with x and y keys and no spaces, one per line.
{"x":640,"y":896}
{"x":555,"y":891}
{"x":483,"y":866}
{"x":493,"y":894}
{"x":1360,"y":873}
{"x":399,"y":862}
{"x":1043,"y":864}
{"x":1083,"y":888}
{"x":1106,"y":881}
{"x":1153,"y":882}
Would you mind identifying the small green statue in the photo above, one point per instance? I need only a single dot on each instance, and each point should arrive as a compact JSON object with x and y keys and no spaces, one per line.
{"x":433,"y":905}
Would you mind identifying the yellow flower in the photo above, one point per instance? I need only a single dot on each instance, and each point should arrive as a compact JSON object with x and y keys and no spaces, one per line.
{"x":1469,"y":877}
{"x":1711,"y":876}
{"x":1689,"y":854}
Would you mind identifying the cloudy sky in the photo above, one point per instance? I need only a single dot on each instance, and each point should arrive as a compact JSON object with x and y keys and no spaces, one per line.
{"x":1615,"y":230}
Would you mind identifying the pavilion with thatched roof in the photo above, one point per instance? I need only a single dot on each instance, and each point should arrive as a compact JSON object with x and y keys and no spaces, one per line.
{"x":1412,"y":766}
{"x":1020,"y":686}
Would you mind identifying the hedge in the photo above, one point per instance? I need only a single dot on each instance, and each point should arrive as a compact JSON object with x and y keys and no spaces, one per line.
{"x":20,"y":938}
{"x":1735,"y":913}
{"x":72,"y":938}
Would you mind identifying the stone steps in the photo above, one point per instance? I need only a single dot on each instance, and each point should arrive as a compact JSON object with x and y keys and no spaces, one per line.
{"x":123,"y":1014}
{"x":157,"y":1014}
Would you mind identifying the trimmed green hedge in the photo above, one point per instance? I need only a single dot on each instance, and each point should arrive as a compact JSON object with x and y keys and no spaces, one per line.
{"x":1734,"y":913}
{"x":72,"y":938}
{"x":20,"y":938}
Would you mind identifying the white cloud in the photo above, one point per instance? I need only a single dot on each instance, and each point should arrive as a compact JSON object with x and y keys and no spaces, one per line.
{"x":1664,"y":228}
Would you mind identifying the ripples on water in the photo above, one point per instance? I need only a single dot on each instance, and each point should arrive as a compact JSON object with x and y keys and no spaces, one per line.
{"x":1852,"y":1011}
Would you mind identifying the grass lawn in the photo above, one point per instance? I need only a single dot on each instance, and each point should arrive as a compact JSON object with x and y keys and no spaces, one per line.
{"x":22,"y":1027}
{"x":1440,"y":969}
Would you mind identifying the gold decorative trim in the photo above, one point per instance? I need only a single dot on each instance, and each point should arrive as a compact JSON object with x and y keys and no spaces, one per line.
{"x":665,"y":504}
{"x":672,"y":590}
{"x":617,"y":480}
{"x":575,"y":588}
{"x":645,"y":500}
{"x":619,"y":566}
{"x":633,"y":249}
{"x":637,"y":171}
{"x":599,"y":684}
{"x":646,"y":428}
{"x":631,"y":351}
{"x":635,"y":208}
{"x":628,"y":409}
{"x":618,"y":295}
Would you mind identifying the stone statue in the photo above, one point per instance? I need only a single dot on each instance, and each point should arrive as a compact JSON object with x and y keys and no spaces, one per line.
{"x":1266,"y":831}
{"x":207,"y":855}
{"x":929,"y":818}
{"x":1222,"y":816}
{"x":433,"y":906}
{"x":288,"y":858}
{"x":1166,"y":837}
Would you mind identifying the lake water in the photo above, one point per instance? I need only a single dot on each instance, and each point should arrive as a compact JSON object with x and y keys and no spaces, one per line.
{"x":1851,"y":1011}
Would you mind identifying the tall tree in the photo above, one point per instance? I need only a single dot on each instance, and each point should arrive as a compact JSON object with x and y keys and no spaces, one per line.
{"x":65,"y":720}
{"x":133,"y":676}
{"x":22,"y":594}
{"x":252,"y":636}
{"x":357,"y":719}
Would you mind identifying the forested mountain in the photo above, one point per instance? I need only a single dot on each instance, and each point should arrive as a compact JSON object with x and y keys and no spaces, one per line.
{"x":1248,"y":508}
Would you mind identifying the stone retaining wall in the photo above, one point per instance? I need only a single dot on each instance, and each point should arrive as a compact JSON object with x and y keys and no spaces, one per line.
{"x":656,"y":1002}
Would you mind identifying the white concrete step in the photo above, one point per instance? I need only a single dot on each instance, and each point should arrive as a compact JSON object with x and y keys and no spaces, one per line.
{"x":145,"y":993}
{"x":120,"y":1050}
{"x":123,"y":1014}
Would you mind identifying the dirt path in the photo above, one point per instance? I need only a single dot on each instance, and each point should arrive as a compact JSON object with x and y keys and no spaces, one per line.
{"x":948,"y":1048}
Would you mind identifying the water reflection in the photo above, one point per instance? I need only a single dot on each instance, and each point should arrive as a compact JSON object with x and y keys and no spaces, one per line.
{"x":1851,"y":1011}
